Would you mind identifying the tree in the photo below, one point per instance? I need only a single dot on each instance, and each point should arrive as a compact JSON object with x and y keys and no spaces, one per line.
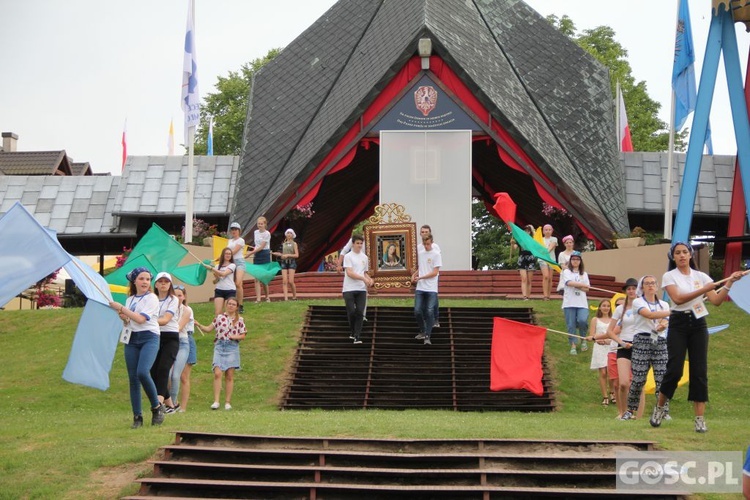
{"x":648,"y":132}
{"x":228,"y":107}
{"x":490,"y":239}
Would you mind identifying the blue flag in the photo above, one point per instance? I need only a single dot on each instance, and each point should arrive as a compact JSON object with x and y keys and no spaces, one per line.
{"x":28,"y":252}
{"x":683,"y":71}
{"x":94,"y":347}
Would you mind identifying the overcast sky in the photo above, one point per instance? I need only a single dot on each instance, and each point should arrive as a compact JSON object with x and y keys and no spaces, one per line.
{"x":72,"y":72}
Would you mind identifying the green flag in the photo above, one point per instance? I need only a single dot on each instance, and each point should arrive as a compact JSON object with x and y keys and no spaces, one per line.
{"x":263,"y":272}
{"x":528,"y":243}
{"x":192,"y":274}
{"x":160,"y":248}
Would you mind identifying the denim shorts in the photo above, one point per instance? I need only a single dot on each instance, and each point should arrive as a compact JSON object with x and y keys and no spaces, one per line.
{"x":239,"y":262}
{"x":193,"y":354}
{"x":224,"y":294}
{"x":288,"y":263}
{"x":262,"y":257}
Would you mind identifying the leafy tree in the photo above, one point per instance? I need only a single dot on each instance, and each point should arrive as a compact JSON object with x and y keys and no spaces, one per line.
{"x":228,"y":106}
{"x":648,"y":132}
{"x":490,"y":239}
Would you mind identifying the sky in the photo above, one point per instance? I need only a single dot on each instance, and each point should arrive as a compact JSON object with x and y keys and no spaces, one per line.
{"x":75,"y":73}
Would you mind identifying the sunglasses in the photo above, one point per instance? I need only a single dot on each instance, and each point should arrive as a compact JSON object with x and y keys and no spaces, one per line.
{"x":179,"y":287}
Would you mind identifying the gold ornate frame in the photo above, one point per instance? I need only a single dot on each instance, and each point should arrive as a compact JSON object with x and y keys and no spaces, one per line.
{"x":391,"y":227}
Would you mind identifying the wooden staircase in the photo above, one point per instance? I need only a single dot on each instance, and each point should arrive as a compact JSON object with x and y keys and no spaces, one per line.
{"x":393,"y":370}
{"x":206,"y":465}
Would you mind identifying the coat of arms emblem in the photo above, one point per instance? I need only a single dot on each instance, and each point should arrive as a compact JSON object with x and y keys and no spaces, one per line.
{"x":425,"y":98}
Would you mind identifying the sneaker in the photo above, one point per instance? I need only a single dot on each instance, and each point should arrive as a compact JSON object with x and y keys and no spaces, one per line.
{"x":427,"y":341}
{"x":157,"y":415}
{"x":227,"y":406}
{"x":657,"y":416}
{"x":169,"y":410}
{"x":241,"y":309}
{"x":137,"y":422}
{"x":420,"y":336}
{"x":357,"y":341}
{"x":700,"y":425}
{"x":584,"y":346}
{"x":573,"y":351}
{"x":215,"y":406}
{"x":667,"y":416}
{"x":628,"y":415}
{"x":351,"y":336}
{"x":436,"y":325}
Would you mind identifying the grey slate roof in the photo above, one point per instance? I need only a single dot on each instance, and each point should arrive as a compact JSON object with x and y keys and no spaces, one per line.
{"x":71,"y":205}
{"x":34,"y":163}
{"x":645,"y":175}
{"x":556,"y":106}
{"x":158,"y":185}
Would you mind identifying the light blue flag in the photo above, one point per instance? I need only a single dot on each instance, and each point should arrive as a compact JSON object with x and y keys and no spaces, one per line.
{"x":683,"y":71}
{"x":88,"y":281}
{"x":740,"y":293}
{"x":28,"y":252}
{"x":210,"y":138}
{"x":94,"y":346}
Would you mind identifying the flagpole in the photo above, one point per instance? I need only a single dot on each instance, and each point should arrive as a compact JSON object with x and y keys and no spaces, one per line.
{"x":189,"y":201}
{"x":668,"y":180}
{"x":617,"y":117}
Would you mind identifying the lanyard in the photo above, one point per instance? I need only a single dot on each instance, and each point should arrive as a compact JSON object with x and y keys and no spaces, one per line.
{"x":133,"y":302}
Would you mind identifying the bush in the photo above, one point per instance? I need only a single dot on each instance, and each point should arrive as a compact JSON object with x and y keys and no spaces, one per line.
{"x":48,"y":298}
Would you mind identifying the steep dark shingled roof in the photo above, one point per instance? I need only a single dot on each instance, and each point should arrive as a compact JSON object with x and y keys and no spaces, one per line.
{"x":34,"y":162}
{"x":550,"y":95}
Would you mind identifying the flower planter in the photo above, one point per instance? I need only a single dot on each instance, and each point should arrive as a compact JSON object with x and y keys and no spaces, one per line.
{"x":630,"y":242}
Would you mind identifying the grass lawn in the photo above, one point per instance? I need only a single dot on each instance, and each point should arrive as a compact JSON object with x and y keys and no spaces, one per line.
{"x":58,"y":440}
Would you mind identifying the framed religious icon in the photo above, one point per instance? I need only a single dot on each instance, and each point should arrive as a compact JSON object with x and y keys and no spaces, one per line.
{"x":392,"y":251}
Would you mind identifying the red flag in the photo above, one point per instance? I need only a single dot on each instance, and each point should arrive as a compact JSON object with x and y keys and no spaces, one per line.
{"x":505,"y":207}
{"x":626,"y":143}
{"x":124,"y":144}
{"x":517,"y":356}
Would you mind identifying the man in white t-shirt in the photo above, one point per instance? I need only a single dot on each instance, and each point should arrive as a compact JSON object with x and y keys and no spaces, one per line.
{"x":426,"y":230}
{"x":356,"y":282}
{"x":426,"y":294}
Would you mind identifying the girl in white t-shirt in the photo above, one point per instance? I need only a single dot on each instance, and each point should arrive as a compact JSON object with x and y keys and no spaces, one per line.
{"x":261,"y":254}
{"x":597,"y":333}
{"x":575,"y":304}
{"x":550,"y":242}
{"x":650,"y":342}
{"x":688,"y":332}
{"x":139,"y":314}
{"x":563,"y":258}
{"x":624,"y":319}
{"x":224,"y":280}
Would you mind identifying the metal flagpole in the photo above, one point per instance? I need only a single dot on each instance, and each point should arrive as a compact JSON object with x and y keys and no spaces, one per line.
{"x":189,"y":201}
{"x":670,"y":157}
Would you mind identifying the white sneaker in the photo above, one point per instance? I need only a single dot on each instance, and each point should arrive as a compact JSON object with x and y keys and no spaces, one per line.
{"x":700,"y":425}
{"x":215,"y":406}
{"x":573,"y":351}
{"x":227,"y":406}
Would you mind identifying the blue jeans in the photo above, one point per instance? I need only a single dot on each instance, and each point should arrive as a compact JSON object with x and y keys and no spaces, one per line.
{"x":424,"y":310}
{"x":576,"y":318}
{"x":179,"y":364}
{"x":140,"y":354}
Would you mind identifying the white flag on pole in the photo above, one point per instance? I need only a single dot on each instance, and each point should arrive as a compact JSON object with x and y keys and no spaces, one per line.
{"x":190,"y":97}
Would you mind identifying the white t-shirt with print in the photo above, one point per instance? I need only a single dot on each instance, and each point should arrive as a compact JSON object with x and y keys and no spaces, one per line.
{"x":358,"y":263}
{"x":642,"y":323}
{"x":686,"y":283}
{"x":574,"y":297}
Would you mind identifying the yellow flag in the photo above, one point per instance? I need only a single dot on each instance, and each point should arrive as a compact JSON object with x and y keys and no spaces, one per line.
{"x":220,"y":244}
{"x":539,"y":238}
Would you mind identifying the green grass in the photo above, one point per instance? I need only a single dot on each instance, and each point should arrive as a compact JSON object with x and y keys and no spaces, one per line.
{"x":61,"y":440}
